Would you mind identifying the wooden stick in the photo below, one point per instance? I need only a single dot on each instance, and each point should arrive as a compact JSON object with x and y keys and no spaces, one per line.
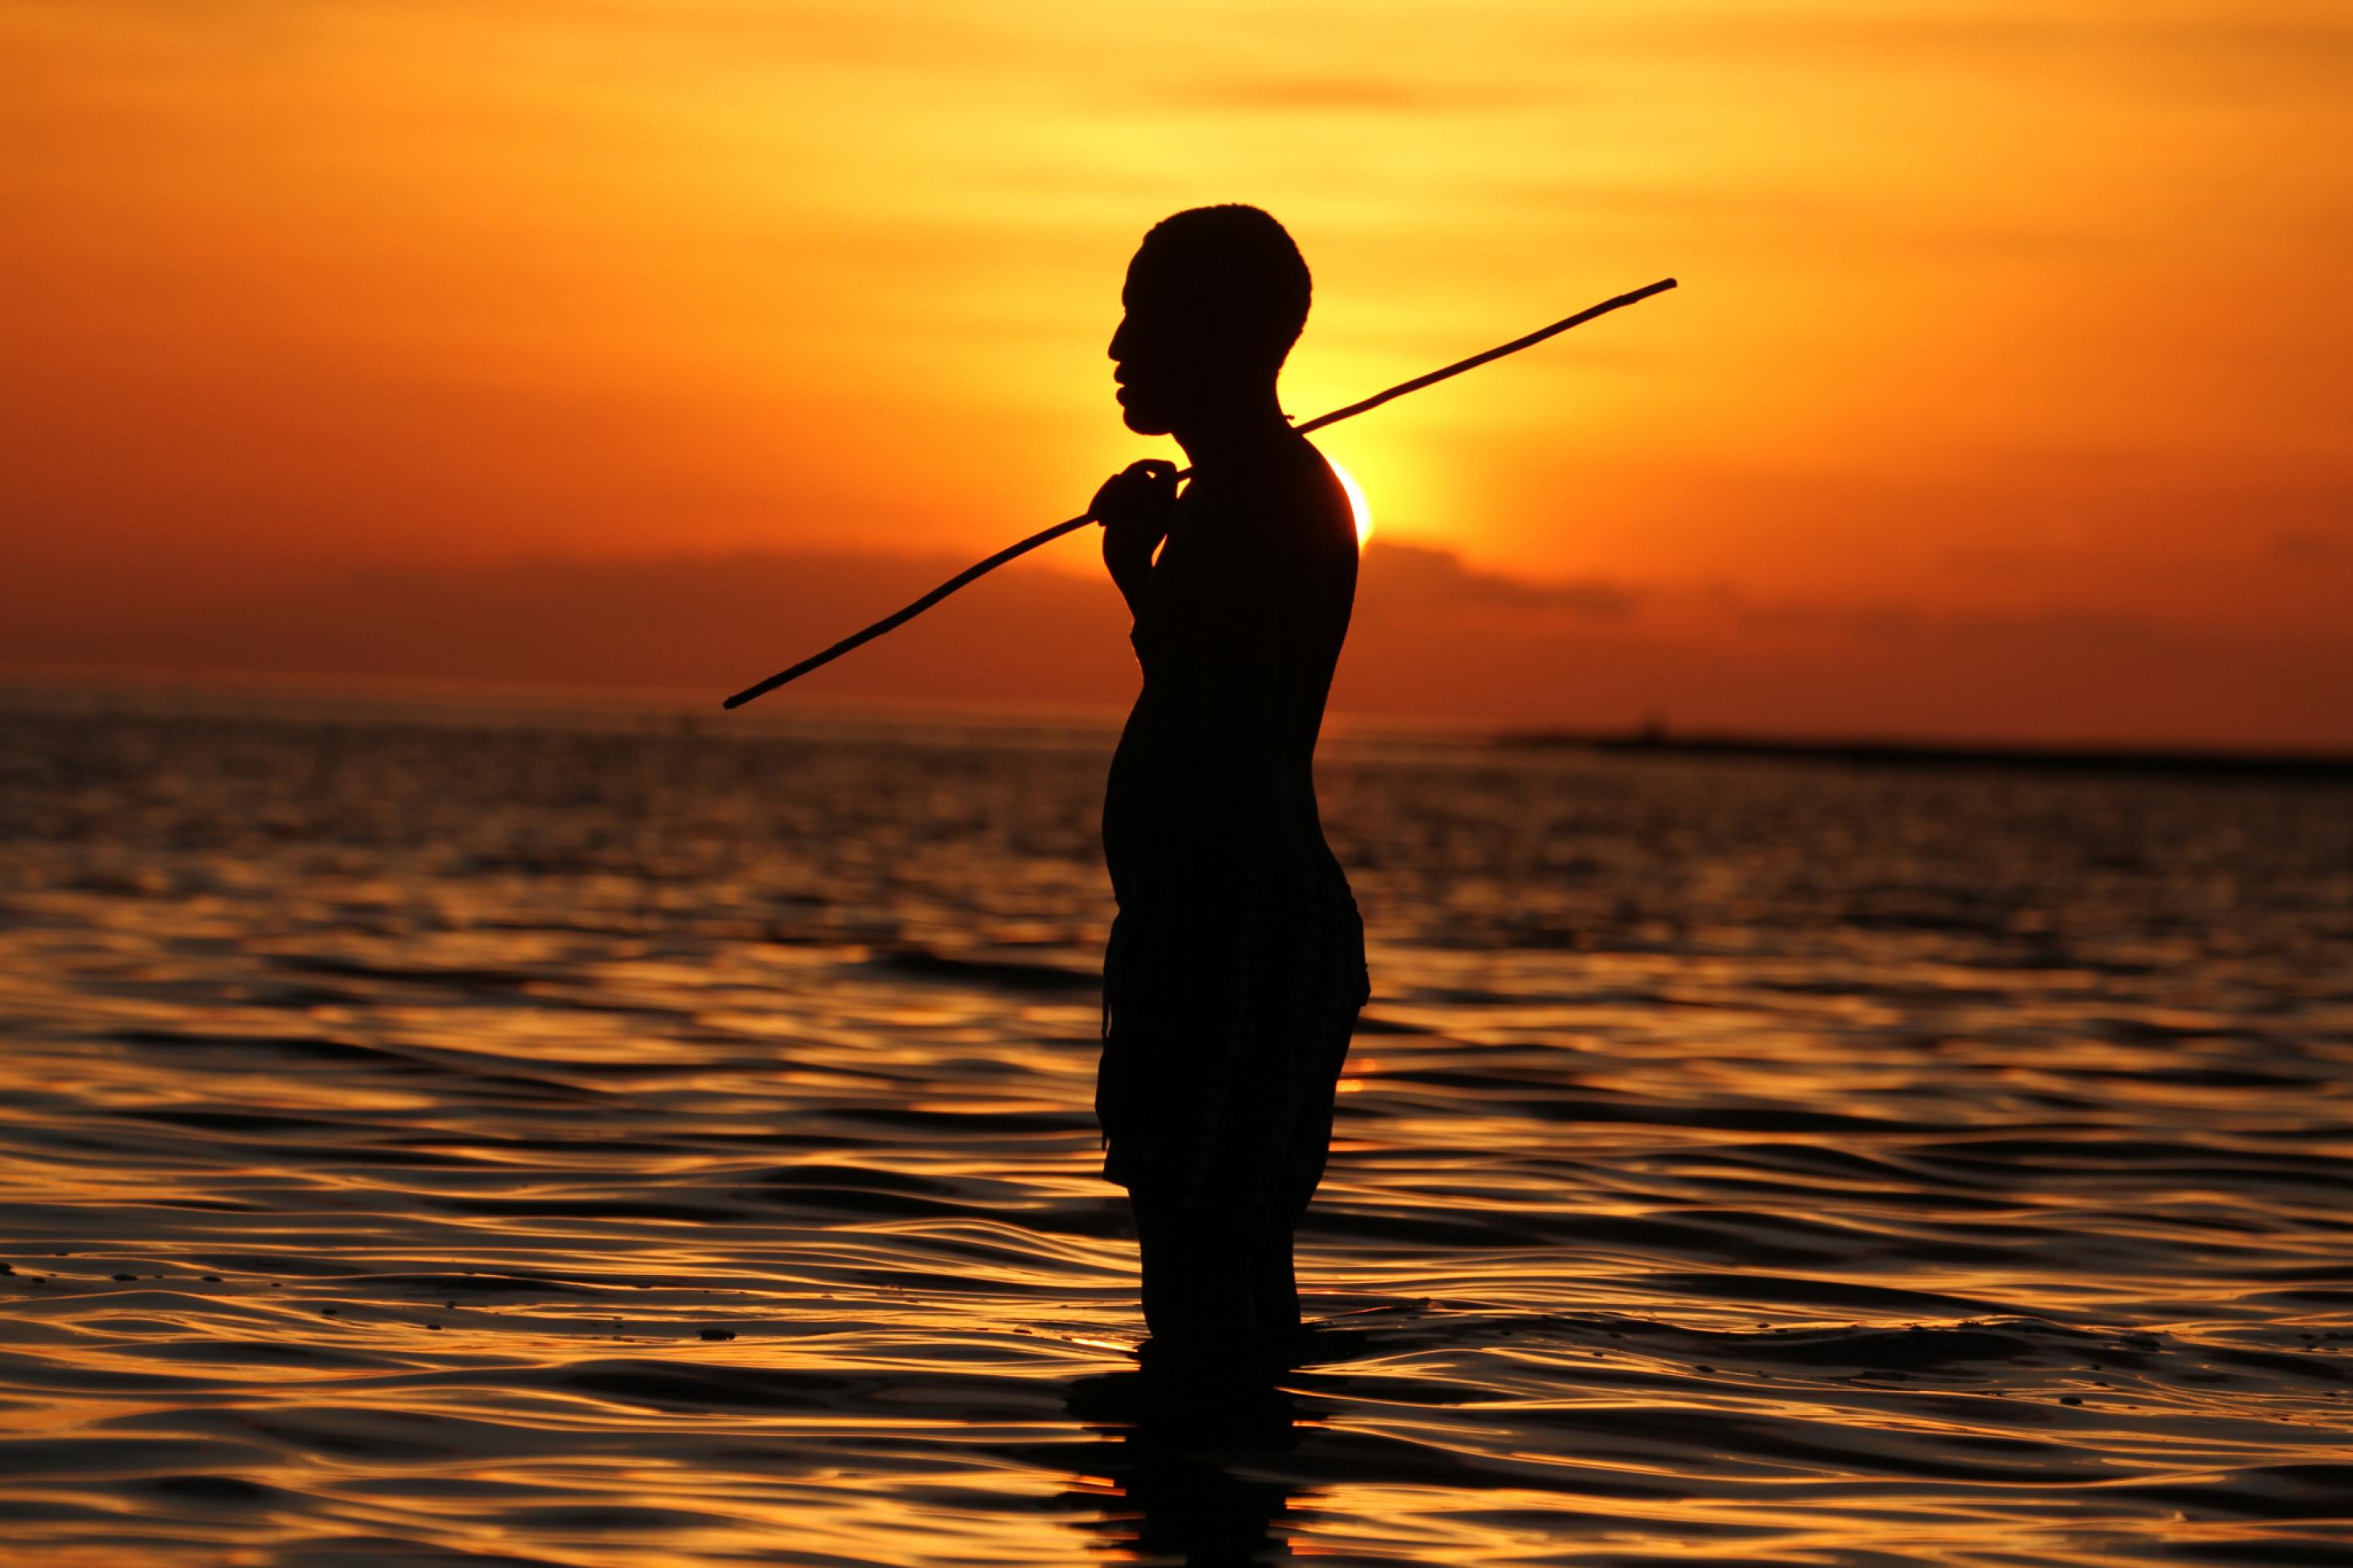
{"x":901,"y":617}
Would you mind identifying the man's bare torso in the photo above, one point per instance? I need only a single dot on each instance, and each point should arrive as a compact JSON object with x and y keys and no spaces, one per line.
{"x":1237,"y":636}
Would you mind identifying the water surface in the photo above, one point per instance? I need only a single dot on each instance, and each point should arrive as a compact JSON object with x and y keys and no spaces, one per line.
{"x":585,"y":1138}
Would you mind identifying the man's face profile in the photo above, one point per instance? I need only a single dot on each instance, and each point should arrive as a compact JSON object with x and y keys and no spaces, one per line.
{"x":1213,"y":300}
{"x":1156,"y":377}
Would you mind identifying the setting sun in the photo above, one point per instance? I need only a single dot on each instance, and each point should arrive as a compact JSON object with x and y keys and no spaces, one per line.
{"x":1356,"y":502}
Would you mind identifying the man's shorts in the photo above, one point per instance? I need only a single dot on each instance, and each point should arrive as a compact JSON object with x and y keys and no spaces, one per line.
{"x":1226,"y":1020}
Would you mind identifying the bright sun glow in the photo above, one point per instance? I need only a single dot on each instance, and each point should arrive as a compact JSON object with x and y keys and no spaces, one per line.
{"x":1356,"y":503}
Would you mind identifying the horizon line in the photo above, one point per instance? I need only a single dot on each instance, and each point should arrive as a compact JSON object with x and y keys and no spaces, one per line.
{"x":1651,"y":734}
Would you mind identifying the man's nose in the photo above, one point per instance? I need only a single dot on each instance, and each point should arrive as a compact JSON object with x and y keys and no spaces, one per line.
{"x":1118,"y":336}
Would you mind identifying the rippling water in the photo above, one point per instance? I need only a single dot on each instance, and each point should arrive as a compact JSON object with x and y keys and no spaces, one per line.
{"x":445,"y":1134}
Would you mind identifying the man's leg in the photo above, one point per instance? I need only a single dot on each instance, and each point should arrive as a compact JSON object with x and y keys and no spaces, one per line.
{"x":1198,"y":1277}
{"x":1274,"y":1288}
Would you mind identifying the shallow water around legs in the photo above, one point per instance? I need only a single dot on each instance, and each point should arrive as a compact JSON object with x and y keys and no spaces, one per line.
{"x":443,"y":1135}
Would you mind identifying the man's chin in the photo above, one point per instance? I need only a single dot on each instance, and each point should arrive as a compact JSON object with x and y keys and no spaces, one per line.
{"x":1143,"y":423}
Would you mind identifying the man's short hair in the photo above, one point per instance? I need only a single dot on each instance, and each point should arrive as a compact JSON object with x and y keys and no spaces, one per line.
{"x":1236,"y":270}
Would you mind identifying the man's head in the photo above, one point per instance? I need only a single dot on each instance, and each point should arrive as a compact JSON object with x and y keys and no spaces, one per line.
{"x":1215,"y":298}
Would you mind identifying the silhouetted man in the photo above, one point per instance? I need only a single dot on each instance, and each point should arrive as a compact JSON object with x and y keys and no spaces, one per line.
{"x":1235,"y":966}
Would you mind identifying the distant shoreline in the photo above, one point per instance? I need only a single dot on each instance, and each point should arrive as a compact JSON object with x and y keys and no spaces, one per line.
{"x":212,"y":695}
{"x":2334,"y":767}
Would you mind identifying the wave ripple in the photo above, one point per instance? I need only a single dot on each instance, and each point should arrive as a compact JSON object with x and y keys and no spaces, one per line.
{"x":434,"y":1136}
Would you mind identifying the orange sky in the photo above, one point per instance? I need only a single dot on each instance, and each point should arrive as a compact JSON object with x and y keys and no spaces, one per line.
{"x":2008,"y":393}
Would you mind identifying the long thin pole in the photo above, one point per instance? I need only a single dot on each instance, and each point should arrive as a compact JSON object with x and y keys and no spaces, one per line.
{"x":901,"y":617}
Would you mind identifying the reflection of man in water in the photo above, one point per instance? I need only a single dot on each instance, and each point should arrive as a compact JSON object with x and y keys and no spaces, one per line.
{"x":1236,"y":965}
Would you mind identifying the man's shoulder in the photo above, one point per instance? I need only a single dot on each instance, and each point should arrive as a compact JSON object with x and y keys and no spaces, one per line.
{"x":1294,"y":502}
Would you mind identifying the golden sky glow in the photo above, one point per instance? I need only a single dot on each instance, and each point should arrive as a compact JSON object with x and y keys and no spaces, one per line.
{"x":2011,"y":336}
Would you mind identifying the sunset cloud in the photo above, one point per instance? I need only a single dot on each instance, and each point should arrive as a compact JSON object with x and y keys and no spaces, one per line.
{"x":1407,"y":578}
{"x":1433,"y":639}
